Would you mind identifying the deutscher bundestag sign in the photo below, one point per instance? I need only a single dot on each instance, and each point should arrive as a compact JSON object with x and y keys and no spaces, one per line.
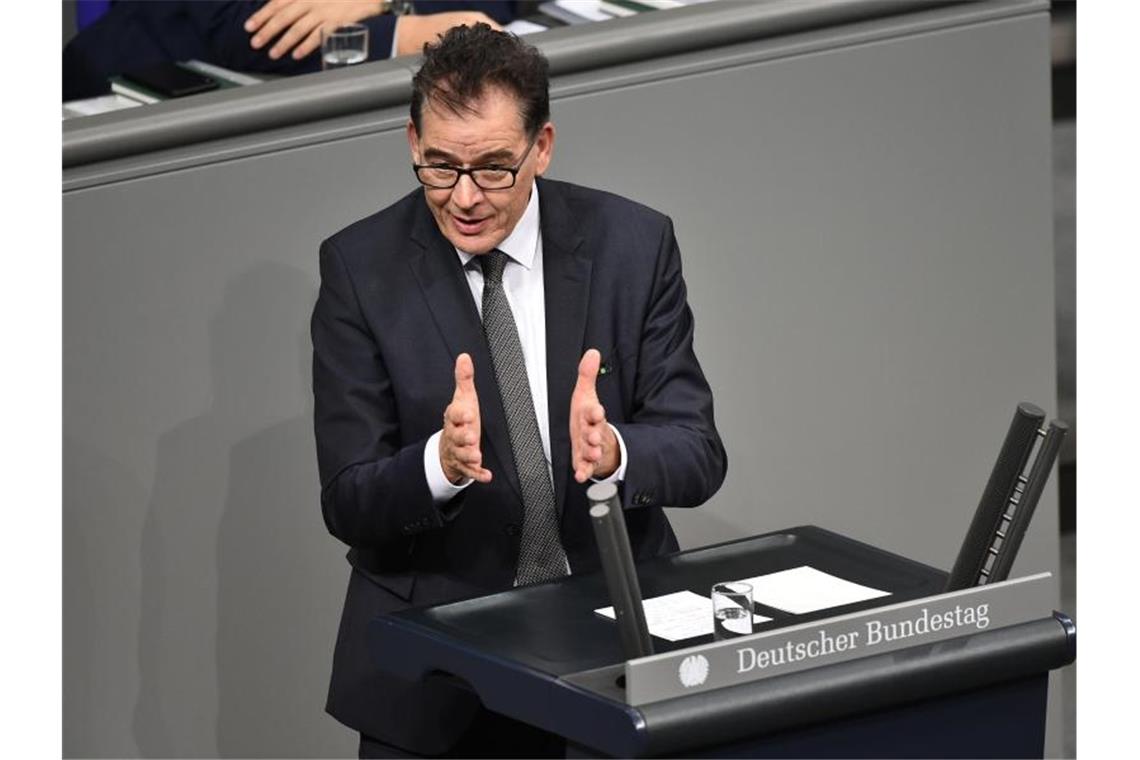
{"x":837,"y":639}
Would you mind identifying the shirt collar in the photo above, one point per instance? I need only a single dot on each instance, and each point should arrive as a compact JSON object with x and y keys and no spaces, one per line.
{"x":522,"y":243}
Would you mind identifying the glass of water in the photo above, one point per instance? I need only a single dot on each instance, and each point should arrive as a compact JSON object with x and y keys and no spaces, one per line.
{"x":343,"y":46}
{"x":732,"y":610}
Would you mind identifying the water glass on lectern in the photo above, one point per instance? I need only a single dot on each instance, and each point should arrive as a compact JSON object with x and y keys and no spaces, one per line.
{"x":344,"y":46}
{"x":732,"y":610}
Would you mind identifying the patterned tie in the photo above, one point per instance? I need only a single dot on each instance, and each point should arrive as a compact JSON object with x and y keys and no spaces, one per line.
{"x":541,"y":555}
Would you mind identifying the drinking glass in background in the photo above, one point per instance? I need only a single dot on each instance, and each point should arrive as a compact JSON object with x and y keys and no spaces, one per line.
{"x":344,"y":46}
{"x":732,"y":610}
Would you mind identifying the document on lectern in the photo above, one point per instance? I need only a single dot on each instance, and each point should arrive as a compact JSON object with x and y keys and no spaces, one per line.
{"x":679,"y":616}
{"x":804,"y":589}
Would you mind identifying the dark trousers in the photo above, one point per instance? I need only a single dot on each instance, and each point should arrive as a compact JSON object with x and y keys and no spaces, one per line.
{"x":490,"y":735}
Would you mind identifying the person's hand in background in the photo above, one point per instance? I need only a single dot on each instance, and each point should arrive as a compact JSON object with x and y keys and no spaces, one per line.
{"x":295,"y":25}
{"x":413,"y":32}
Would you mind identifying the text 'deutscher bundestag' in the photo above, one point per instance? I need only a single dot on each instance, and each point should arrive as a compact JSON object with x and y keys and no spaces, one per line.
{"x":838,"y":639}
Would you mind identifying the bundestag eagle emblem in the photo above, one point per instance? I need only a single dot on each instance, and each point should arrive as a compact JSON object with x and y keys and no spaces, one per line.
{"x":694,"y":670}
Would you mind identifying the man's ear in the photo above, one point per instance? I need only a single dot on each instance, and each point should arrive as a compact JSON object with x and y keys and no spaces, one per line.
{"x":413,"y":141}
{"x":544,"y":147}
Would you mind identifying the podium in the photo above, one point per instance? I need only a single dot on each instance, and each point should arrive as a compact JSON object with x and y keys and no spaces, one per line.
{"x":539,"y":654}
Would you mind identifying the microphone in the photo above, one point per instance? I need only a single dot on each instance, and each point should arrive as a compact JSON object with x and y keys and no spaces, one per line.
{"x":1008,"y":501}
{"x":618,"y":567}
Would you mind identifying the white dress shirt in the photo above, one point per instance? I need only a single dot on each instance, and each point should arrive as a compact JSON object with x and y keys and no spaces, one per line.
{"x":523,"y":287}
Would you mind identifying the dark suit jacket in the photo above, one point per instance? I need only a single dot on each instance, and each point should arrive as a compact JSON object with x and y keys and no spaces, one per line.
{"x":394,"y":311}
{"x":134,"y":35}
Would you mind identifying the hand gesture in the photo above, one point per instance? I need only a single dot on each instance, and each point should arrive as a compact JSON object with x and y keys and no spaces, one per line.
{"x":594,"y":451}
{"x":299,"y":23}
{"x":459,"y":452}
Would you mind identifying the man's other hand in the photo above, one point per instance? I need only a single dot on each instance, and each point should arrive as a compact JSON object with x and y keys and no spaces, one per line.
{"x":459,"y":452}
{"x":299,"y":23}
{"x":594,"y":450}
{"x":413,"y":32}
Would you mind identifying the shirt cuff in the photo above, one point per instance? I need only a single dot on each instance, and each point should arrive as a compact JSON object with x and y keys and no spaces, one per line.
{"x":618,"y":475}
{"x":442,"y":489}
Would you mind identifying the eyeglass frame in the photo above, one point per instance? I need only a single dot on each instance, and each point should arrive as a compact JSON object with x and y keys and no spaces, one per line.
{"x":514,"y":171}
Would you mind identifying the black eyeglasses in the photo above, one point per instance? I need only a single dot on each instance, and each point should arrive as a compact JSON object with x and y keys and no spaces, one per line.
{"x":442,"y":176}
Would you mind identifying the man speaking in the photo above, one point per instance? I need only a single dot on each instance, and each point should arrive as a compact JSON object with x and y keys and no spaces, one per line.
{"x":483,"y":349}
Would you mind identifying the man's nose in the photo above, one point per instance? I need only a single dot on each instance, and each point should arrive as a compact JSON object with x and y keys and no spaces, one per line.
{"x":466,"y":194}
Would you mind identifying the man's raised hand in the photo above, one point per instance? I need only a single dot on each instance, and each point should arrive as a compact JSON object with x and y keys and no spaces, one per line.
{"x":459,"y":451}
{"x":594,"y":450}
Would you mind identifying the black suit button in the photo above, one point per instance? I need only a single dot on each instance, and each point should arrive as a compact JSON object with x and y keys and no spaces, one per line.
{"x":511,"y":529}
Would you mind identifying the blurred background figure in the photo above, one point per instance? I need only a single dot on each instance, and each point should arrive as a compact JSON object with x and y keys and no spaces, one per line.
{"x":279,"y":37}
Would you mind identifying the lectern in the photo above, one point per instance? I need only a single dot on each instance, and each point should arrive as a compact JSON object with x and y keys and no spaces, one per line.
{"x":541,"y":655}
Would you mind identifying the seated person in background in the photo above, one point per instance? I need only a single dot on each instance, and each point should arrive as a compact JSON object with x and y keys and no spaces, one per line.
{"x":275,"y":37}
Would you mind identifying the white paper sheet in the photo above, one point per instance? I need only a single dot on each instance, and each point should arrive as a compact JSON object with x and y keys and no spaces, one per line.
{"x":521,"y":26}
{"x":587,"y":9}
{"x":99,"y":104}
{"x":679,"y":616}
{"x":805,"y":589}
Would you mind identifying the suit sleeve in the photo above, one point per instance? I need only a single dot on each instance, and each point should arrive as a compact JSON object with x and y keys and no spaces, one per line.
{"x":676,"y":458}
{"x":374,"y":490}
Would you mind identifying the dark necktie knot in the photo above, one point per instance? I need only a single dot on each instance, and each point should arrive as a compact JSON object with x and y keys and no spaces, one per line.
{"x":493,"y":262}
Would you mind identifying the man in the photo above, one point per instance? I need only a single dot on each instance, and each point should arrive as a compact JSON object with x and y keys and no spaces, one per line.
{"x":483,"y":349}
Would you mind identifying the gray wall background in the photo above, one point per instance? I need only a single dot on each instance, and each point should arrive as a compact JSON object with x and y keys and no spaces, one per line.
{"x":865,"y":219}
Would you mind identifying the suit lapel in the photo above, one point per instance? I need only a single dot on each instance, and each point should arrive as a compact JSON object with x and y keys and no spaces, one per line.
{"x":444,"y":285}
{"x":566,"y":266}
